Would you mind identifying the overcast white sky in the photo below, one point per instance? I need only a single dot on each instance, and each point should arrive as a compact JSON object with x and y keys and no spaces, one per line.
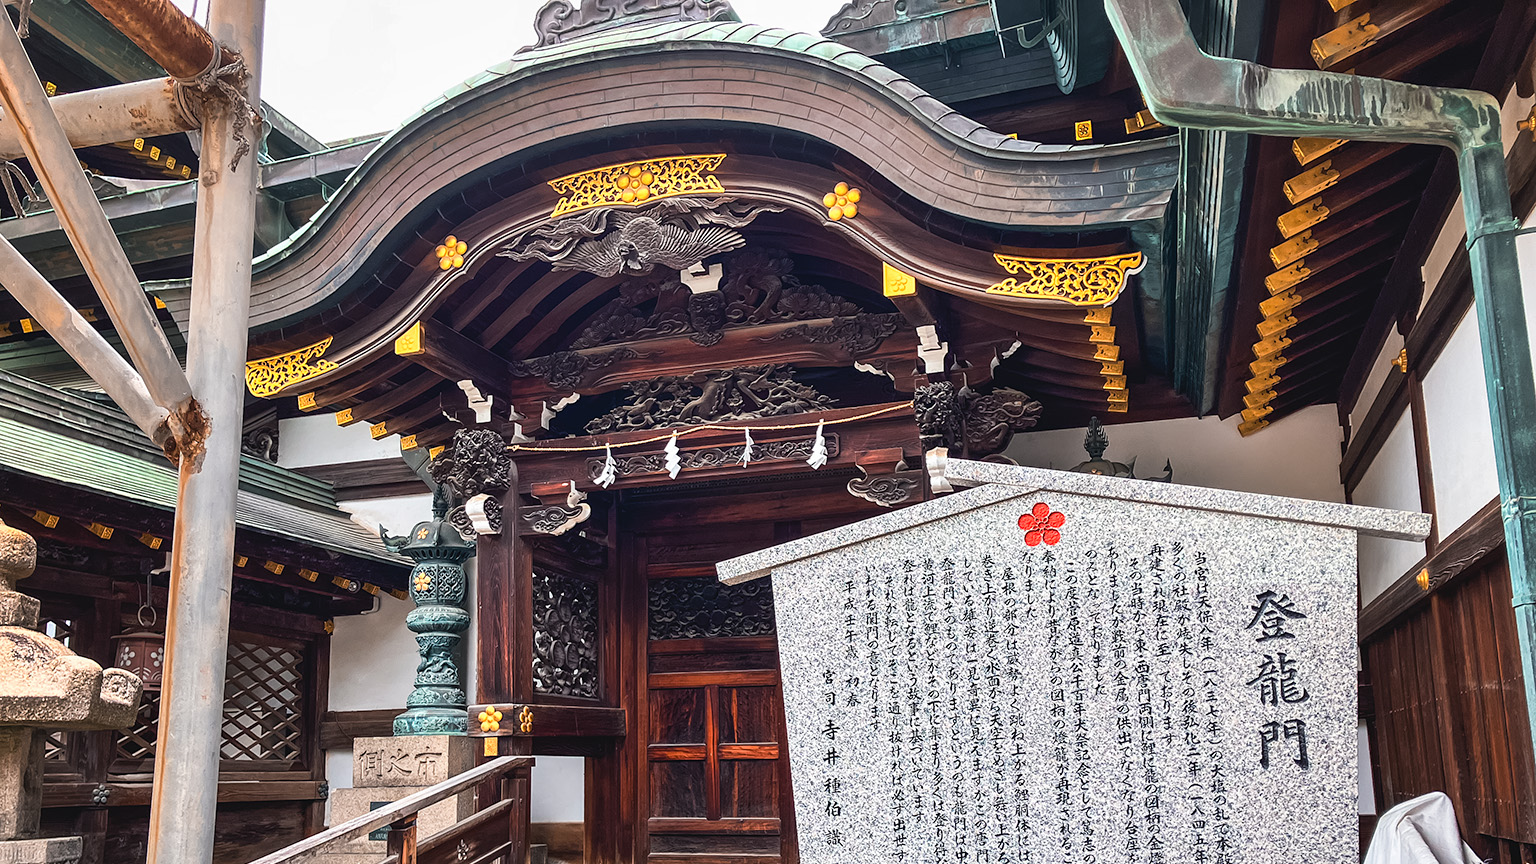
{"x":341,"y":68}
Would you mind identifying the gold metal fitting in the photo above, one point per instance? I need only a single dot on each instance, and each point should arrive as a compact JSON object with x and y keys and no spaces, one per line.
{"x":1344,"y":41}
{"x":1307,"y":149}
{"x":842,"y":202}
{"x":1248,"y":428}
{"x":1311,"y":181}
{"x":1299,"y":219}
{"x":1293,"y":250}
{"x":450,"y":253}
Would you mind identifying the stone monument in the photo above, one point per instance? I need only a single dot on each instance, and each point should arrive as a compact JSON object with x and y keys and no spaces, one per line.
{"x":384,"y":770}
{"x":43,"y":685}
{"x":1056,"y":667}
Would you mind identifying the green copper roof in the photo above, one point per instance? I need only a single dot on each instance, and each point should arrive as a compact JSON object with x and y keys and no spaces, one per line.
{"x":76,"y":441}
{"x":57,"y":458}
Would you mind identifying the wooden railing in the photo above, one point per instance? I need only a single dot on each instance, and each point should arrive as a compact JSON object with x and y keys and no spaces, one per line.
{"x":499,"y":831}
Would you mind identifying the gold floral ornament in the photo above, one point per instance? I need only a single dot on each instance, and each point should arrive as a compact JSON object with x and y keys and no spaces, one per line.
{"x":267,"y":377}
{"x":450,"y":253}
{"x":1078,"y":281}
{"x":490,"y":719}
{"x":842,"y":202}
{"x":421,"y":582}
{"x":635,"y":183}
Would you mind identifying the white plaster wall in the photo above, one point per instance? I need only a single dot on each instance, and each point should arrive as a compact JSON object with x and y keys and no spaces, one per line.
{"x":1460,"y":430}
{"x":317,"y":440}
{"x":558,"y":789}
{"x":1380,"y":369}
{"x":1391,"y":481}
{"x":1297,"y":457}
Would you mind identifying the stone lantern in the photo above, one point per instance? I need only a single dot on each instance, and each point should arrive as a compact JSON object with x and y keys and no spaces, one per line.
{"x":43,"y":685}
{"x":437,"y":583}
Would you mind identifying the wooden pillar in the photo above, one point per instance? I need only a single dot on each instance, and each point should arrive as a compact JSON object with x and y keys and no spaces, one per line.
{"x":604,"y":779}
{"x":504,"y":650}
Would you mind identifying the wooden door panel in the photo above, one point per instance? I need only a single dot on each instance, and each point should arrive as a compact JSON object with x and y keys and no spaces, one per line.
{"x":749,"y":788}
{"x":679,"y":716}
{"x":748,"y":715}
{"x":679,"y":790}
{"x":715,"y":759}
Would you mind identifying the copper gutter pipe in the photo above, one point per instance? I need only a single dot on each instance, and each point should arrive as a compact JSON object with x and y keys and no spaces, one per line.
{"x":1184,"y":86}
{"x":168,"y":35}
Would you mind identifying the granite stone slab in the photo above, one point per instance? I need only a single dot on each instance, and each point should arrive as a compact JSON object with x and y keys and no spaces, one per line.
{"x":994,"y":481}
{"x":1059,"y":668}
{"x":410,"y":760}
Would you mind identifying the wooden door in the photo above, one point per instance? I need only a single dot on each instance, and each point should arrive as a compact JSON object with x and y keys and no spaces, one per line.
{"x":715,"y":773}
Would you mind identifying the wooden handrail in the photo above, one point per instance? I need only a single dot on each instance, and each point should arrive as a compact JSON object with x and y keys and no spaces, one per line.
{"x":496,"y":811}
{"x":368,"y":822}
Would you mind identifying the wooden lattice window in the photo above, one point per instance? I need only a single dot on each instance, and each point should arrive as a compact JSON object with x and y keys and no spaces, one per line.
{"x":264,"y":702}
{"x":56,"y":744}
{"x":138,"y":740}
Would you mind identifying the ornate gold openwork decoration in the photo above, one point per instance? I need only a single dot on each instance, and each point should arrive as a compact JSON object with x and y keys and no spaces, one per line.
{"x":1078,"y":281}
{"x":637,"y":182}
{"x":267,"y":377}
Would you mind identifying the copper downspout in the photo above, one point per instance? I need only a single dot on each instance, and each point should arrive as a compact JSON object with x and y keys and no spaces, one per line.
{"x":179,"y":44}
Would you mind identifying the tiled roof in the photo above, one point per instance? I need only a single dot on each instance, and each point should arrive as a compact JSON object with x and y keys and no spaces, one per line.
{"x":77,"y":442}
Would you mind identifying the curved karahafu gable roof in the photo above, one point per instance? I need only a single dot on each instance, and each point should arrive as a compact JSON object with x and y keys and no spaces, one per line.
{"x":699,"y":73}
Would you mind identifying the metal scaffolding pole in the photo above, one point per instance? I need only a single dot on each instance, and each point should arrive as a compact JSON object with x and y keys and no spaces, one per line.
{"x":83,"y":344}
{"x":142,"y":109}
{"x":80,"y":214}
{"x":197,"y":628}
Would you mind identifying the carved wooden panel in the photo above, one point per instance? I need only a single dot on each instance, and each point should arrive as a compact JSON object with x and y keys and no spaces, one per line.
{"x":699,"y":607}
{"x":565,"y":635}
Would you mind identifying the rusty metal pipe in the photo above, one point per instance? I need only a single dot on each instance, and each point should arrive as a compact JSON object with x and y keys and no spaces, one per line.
{"x":107,"y":115}
{"x":179,"y":44}
{"x":86,"y":225}
{"x":83,"y":344}
{"x":185,"y":799}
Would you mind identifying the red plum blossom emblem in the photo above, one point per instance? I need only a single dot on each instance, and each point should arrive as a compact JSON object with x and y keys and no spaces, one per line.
{"x":1041,"y":524}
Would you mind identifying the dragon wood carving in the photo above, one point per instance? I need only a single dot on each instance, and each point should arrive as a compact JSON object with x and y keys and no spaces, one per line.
{"x":477,"y":463}
{"x":965,"y":420}
{"x":710,"y":396}
{"x":609,"y":241}
{"x":758,"y":287}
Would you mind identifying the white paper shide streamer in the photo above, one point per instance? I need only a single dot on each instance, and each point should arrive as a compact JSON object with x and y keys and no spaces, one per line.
{"x":610,"y":470}
{"x":674,"y":461}
{"x":746,"y":449}
{"x":818,"y":456}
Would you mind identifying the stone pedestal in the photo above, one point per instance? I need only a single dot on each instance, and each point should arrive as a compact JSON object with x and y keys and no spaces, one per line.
{"x":54,"y":850}
{"x":43,"y":685}
{"x":384,"y":770}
